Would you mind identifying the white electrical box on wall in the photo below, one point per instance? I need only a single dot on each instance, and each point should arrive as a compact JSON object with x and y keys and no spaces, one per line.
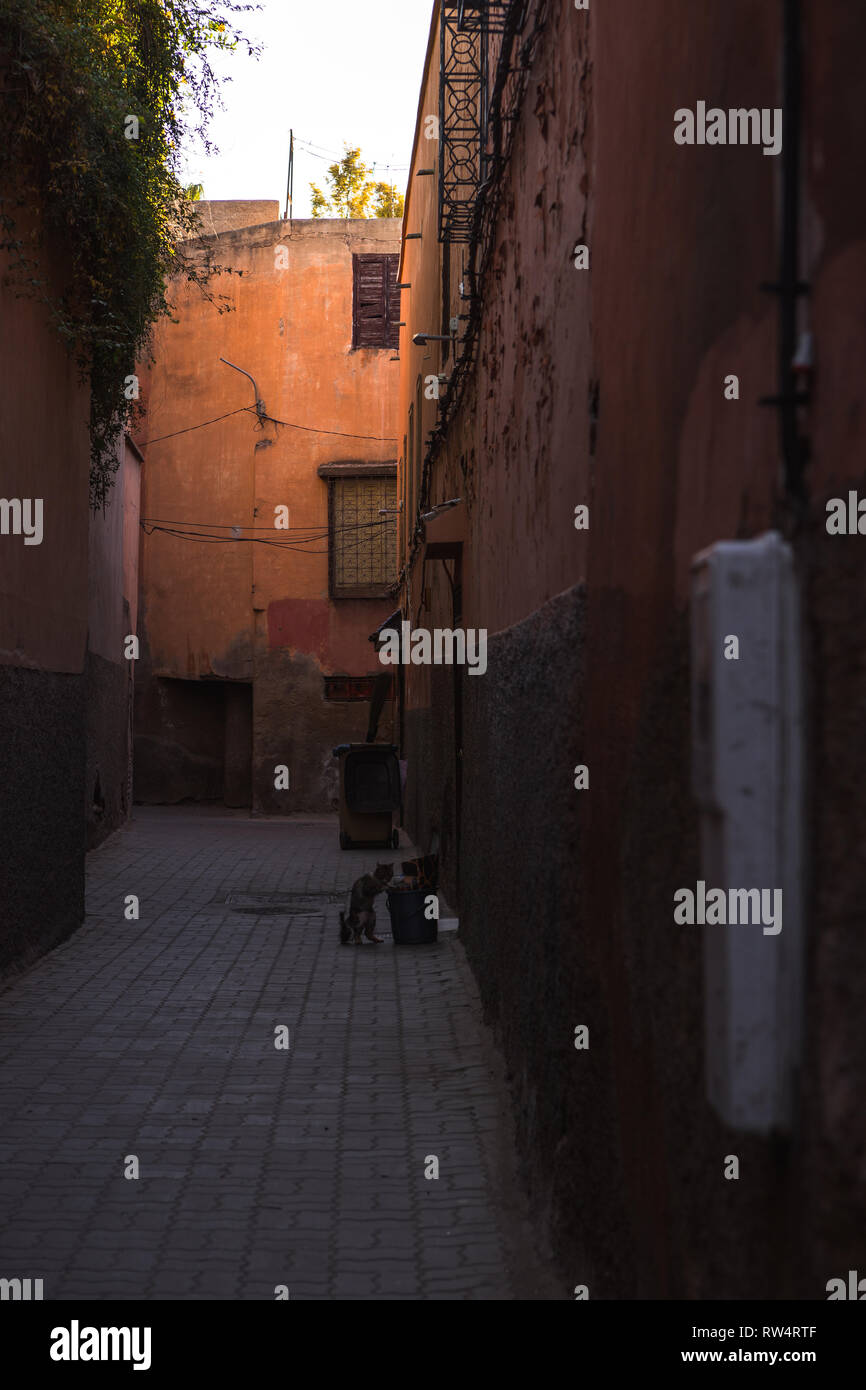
{"x":747,"y":777}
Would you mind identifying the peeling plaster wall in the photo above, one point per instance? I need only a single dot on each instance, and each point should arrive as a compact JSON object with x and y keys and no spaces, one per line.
{"x":678,"y":467}
{"x":607,"y":388}
{"x":250,"y":614}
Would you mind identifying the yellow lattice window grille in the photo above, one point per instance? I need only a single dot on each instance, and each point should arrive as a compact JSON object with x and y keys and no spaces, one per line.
{"x":362,"y":542}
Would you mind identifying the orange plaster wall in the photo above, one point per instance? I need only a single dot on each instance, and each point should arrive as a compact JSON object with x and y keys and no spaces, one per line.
{"x":291,"y":328}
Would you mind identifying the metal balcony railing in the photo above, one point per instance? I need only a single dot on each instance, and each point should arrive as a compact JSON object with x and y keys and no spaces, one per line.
{"x":470,"y":42}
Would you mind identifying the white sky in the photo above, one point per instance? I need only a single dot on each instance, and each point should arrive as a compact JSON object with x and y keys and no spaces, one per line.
{"x":336,"y":71}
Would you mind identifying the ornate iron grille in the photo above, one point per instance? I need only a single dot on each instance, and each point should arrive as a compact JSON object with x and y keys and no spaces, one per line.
{"x":362,"y":550}
{"x":470,"y":38}
{"x":506,"y":37}
{"x":352,"y":688}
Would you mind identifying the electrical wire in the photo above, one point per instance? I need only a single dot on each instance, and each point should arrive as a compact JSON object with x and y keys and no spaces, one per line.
{"x":321,"y":528}
{"x":204,"y":539}
{"x":298,"y":544}
{"x":341,"y":434}
{"x":214,"y":421}
{"x":311,"y":429}
{"x":289,"y":424}
{"x":223,"y":525}
{"x":310,"y":147}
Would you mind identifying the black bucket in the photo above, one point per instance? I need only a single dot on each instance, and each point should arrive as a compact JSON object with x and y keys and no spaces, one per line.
{"x":409,"y":926}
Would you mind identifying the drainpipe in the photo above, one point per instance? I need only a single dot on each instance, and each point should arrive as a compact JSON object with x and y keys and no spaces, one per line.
{"x":789,"y":287}
{"x":792,"y":444}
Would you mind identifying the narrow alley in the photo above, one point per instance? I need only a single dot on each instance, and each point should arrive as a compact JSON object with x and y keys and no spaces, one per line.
{"x":433,"y":472}
{"x":259,"y":1166}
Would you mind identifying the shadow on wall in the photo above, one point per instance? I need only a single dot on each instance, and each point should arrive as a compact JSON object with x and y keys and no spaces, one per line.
{"x":107,"y":707}
{"x":521,"y":918}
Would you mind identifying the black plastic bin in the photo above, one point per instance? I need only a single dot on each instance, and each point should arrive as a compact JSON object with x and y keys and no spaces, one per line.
{"x":369,"y":794}
{"x":409,"y":926}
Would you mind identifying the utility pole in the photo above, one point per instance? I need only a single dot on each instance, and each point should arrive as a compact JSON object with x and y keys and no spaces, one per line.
{"x":290,"y":181}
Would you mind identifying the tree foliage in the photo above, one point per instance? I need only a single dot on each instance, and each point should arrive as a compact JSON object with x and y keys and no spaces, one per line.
{"x":79,"y":177}
{"x":387,"y":202}
{"x":352,"y":193}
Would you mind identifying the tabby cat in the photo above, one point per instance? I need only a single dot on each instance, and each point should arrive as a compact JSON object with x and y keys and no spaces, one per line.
{"x":361,"y":918}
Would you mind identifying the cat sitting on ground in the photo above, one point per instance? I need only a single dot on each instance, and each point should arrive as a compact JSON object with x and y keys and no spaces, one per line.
{"x":361,"y":918}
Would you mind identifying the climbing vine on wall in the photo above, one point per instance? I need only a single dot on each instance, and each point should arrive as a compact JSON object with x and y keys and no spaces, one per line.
{"x":98,"y":98}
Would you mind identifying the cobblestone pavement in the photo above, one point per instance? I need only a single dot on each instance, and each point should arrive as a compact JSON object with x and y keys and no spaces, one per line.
{"x":259,"y":1167}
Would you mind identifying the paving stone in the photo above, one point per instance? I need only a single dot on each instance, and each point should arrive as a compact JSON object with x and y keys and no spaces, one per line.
{"x":258,"y":1167}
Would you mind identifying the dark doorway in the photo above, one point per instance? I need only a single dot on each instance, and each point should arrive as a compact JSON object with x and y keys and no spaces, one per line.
{"x":193,"y":741}
{"x":238,"y":745}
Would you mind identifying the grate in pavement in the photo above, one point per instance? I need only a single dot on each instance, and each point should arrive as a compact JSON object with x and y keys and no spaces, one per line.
{"x":262,"y":904}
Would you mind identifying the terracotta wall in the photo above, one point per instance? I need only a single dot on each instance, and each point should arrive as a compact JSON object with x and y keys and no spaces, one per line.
{"x":45,"y":450}
{"x":227,"y":214}
{"x":252,"y":613}
{"x":606,"y":388}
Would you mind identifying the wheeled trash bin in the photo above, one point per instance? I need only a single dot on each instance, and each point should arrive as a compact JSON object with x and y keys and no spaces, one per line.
{"x":369,"y":794}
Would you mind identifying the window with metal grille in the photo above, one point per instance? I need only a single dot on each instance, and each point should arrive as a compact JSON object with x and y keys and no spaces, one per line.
{"x":362,"y":544}
{"x":350,"y":688}
{"x":375,"y":302}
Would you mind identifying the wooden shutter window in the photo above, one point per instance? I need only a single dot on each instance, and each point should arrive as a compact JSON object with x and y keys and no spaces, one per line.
{"x":393,"y":303}
{"x":375,"y":301}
